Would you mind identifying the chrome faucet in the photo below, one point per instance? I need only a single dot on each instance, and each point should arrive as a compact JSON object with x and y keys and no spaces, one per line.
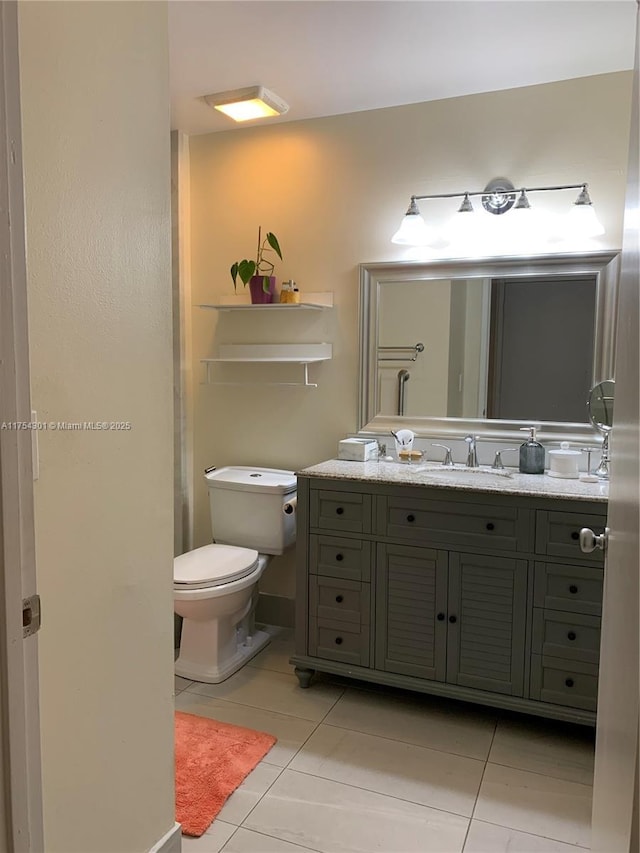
{"x":472,"y":456}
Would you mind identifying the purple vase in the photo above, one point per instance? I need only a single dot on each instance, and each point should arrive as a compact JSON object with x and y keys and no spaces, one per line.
{"x":258,"y":296}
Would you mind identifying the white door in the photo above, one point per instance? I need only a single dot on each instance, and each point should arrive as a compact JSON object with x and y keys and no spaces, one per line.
{"x":20,"y":779}
{"x":615,"y":783}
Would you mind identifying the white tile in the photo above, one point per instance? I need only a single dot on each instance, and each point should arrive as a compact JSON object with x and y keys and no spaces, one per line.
{"x":336,"y":818}
{"x":275,"y":657}
{"x":423,"y":720}
{"x":291,"y":732}
{"x":487,"y":838}
{"x":540,"y":805}
{"x":546,"y":747}
{"x":212,"y":841}
{"x":247,"y":841}
{"x":409,"y":772}
{"x":273,"y":691}
{"x":244,"y":798}
{"x":180,"y":684}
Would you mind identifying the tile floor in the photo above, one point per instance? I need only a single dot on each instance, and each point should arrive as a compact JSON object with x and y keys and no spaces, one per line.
{"x":358,"y":769}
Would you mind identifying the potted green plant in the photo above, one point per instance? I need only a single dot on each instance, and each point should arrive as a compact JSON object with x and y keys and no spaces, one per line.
{"x":258,"y":274}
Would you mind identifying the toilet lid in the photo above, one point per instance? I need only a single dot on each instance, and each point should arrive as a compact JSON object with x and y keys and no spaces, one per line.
{"x":213,"y":565}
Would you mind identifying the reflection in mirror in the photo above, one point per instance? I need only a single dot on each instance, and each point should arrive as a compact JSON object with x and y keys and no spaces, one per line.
{"x":506,"y":341}
{"x":508,"y":348}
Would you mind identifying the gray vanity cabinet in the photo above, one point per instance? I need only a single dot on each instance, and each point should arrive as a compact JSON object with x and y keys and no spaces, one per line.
{"x":451,"y":617}
{"x":480,"y":596}
{"x":487,"y":619}
{"x":411,"y":605}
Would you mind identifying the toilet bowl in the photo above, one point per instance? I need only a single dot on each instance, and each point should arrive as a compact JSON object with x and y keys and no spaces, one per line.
{"x":215,"y":587}
{"x":215,"y":592}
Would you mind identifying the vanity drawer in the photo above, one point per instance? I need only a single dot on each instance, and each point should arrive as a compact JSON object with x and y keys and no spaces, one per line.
{"x":566,"y":635}
{"x":339,"y":600}
{"x":558,"y":534}
{"x":564,"y":682}
{"x":339,"y":558}
{"x":501,"y":528}
{"x":574,"y":588}
{"x":338,"y":641}
{"x":348,"y":512}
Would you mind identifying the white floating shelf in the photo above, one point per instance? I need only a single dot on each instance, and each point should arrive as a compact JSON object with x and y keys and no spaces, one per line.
{"x":275,"y":353}
{"x":318,"y":301}
{"x":274,"y":306}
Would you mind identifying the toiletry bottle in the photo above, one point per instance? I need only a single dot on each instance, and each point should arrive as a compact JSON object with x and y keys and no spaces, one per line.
{"x":531,"y":454}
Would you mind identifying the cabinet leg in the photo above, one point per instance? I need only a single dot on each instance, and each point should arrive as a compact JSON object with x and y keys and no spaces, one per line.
{"x":304,"y":676}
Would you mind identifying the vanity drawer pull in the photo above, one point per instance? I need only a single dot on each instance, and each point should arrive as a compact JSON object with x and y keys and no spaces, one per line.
{"x":339,"y":558}
{"x":411,"y":518}
{"x":571,"y":635}
{"x":440,"y":617}
{"x":453,"y":619}
{"x":338,"y":641}
{"x":568,"y":682}
{"x":575,"y":535}
{"x":490,"y":525}
{"x":339,"y":599}
{"x":573,"y":589}
{"x":339,"y":510}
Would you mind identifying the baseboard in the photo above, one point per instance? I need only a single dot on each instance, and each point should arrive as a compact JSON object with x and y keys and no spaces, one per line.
{"x":171,"y":842}
{"x":275,"y":610}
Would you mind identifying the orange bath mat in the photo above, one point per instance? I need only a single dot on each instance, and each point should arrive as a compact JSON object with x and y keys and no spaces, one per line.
{"x":212,"y":759}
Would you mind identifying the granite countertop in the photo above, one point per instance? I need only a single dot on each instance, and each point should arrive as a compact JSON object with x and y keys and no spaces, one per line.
{"x":483,"y":479}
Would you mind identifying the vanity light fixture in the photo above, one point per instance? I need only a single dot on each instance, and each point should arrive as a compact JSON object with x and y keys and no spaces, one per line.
{"x":498,"y":198}
{"x":248,"y":103}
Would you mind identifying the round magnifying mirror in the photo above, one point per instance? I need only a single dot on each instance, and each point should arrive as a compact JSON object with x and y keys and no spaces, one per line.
{"x":600,"y":405}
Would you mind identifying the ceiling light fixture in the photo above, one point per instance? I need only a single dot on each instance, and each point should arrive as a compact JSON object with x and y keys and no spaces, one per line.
{"x":498,"y":198}
{"x":248,"y":103}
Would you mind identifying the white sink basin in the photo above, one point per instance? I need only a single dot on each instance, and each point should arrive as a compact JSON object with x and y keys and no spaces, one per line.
{"x":462,"y":470}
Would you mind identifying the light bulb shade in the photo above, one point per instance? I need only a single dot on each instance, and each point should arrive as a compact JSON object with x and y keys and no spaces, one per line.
{"x":583,"y":222}
{"x":463,"y":225}
{"x":413,"y":230}
{"x":523,"y":202}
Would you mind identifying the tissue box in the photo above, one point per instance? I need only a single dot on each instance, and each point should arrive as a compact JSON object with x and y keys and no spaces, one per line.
{"x":358,"y":449}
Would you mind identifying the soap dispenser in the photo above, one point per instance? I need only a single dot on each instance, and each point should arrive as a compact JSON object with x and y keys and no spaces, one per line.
{"x":531,"y":454}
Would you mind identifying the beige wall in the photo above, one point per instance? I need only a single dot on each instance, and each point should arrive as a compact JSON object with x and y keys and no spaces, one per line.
{"x":96,"y":153}
{"x":333,"y":190}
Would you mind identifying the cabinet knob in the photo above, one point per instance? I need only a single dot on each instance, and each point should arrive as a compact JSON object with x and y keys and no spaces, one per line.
{"x":339,"y":510}
{"x":338,"y":641}
{"x":571,"y":635}
{"x":575,"y":535}
{"x":339,"y":557}
{"x":568,"y":682}
{"x":573,"y":589}
{"x":490,"y":525}
{"x":339,"y":599}
{"x":411,"y":518}
{"x":453,"y":619}
{"x":440,"y":617}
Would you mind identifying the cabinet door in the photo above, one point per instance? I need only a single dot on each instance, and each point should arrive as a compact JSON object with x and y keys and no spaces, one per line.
{"x":411,"y":601}
{"x":486,"y":622}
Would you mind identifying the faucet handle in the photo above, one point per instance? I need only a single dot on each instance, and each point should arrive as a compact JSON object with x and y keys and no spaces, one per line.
{"x":497,"y":461}
{"x":448,"y":458}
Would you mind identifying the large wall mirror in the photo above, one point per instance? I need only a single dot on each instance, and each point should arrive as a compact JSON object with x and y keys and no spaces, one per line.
{"x":451,"y":347}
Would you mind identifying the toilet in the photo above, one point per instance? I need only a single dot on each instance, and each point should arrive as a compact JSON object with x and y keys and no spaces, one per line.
{"x":215,"y":588}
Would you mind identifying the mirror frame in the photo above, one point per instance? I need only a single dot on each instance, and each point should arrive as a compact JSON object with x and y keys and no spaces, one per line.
{"x":603,"y":264}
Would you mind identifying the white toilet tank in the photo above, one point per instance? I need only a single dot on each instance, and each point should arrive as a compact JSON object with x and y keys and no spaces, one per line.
{"x":247,"y":507}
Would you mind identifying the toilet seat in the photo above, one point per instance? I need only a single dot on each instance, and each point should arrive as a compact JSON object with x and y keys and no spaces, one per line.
{"x":213,"y":566}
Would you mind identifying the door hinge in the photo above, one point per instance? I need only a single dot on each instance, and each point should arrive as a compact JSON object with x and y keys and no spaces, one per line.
{"x":30,"y":615}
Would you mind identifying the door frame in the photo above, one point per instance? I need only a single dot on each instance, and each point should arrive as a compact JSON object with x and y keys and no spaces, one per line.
{"x":19,"y":692}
